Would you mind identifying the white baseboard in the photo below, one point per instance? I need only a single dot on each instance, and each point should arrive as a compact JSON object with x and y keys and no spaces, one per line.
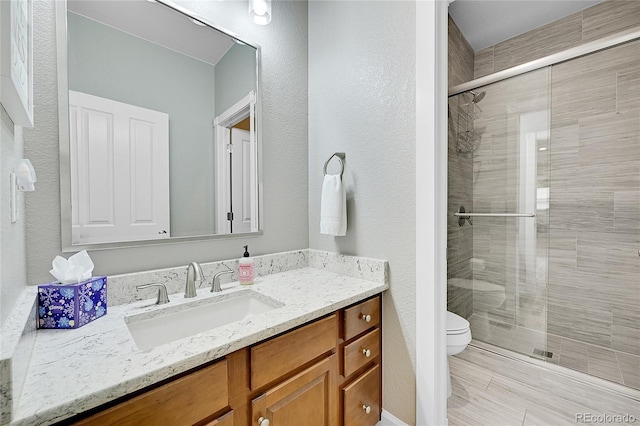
{"x":388,"y":419}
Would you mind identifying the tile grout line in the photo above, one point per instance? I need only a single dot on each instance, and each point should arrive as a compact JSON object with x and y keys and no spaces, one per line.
{"x":615,"y":353}
{"x":490,"y":381}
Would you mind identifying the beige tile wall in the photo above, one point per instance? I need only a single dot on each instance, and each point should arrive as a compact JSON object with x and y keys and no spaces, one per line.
{"x":606,"y":18}
{"x":594,"y":268}
{"x":460,"y":171}
{"x":460,"y":56}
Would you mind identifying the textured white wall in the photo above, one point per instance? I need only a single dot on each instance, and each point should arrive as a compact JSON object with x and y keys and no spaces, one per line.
{"x":361,"y":86}
{"x":362,"y":101}
{"x":13,"y":273}
{"x":284,"y":138}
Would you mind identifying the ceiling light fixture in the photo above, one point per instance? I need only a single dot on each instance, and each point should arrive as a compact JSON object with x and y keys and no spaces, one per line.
{"x":260,"y":11}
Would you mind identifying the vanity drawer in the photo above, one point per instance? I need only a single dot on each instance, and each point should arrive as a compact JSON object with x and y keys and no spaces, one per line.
{"x":361,"y":399}
{"x":275,"y":358}
{"x":361,"y":317}
{"x":184,"y":401}
{"x":361,"y":351}
{"x":225,"y":420}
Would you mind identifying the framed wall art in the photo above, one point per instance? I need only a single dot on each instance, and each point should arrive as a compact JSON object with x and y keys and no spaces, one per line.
{"x":16,"y":60}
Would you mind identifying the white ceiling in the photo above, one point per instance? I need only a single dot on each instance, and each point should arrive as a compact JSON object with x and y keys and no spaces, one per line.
{"x":159,"y":24}
{"x":487,"y":22}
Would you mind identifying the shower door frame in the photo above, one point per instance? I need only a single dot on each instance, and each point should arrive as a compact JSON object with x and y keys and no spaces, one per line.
{"x":554,"y":59}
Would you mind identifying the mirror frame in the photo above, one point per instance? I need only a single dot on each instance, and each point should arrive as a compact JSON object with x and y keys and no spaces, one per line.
{"x":64,"y":141}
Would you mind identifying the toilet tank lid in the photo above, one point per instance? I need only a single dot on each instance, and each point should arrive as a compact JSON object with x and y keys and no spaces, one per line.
{"x":456,"y":322}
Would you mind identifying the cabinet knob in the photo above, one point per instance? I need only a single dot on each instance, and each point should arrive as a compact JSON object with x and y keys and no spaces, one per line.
{"x":263,"y":422}
{"x":366,"y":318}
{"x":366,"y":352}
{"x":366,"y":408}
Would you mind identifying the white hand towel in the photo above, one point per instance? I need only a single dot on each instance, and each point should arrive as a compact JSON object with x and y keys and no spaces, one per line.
{"x":333,"y":208}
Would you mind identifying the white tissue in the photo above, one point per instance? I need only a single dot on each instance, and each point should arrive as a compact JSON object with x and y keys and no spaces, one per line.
{"x":77,"y":268}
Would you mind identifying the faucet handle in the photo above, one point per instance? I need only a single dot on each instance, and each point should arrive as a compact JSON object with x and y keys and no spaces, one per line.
{"x":163,"y":297}
{"x":215,"y":283}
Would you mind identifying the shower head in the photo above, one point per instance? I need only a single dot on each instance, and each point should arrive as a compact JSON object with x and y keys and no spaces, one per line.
{"x":477,"y":97}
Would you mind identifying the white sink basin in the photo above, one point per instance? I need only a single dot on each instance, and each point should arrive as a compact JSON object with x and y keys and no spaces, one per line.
{"x":172,"y":323}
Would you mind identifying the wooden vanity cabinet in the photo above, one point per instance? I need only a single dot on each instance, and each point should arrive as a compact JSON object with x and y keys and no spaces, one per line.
{"x":324,"y":373}
{"x":361,"y":374}
{"x":186,"y":400}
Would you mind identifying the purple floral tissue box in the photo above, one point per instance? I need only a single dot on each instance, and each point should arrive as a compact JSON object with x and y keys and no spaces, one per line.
{"x":71,"y":305}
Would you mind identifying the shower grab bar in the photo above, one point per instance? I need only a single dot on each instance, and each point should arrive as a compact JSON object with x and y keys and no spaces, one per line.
{"x":465,"y":215}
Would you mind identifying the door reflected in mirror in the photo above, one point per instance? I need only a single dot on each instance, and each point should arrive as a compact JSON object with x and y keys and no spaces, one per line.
{"x":162,"y":136}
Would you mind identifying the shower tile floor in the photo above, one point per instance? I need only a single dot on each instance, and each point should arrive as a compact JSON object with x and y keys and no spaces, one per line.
{"x":615,"y":366}
{"x":491,"y":389}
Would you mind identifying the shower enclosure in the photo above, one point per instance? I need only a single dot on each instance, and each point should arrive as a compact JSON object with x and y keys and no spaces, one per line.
{"x":544,"y":212}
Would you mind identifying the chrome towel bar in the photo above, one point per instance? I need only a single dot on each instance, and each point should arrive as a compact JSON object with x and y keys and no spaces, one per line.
{"x":463,"y":215}
{"x":495,"y":214}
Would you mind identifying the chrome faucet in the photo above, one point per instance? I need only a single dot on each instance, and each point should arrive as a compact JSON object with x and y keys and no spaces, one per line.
{"x":163,"y":297}
{"x":215,"y":283}
{"x":194,"y":273}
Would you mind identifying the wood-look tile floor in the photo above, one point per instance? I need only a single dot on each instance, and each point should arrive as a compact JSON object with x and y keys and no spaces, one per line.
{"x":615,"y":366}
{"x":494,"y":390}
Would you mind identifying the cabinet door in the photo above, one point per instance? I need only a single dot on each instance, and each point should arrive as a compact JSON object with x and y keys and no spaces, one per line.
{"x":309,"y":398}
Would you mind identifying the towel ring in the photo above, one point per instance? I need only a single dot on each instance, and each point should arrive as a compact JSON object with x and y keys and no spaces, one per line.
{"x":340,"y":156}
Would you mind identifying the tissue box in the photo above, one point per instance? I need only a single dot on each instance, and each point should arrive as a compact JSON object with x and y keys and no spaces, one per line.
{"x":71,"y":305}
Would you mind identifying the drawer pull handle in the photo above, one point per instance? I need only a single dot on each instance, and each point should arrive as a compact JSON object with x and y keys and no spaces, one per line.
{"x":263,"y":422}
{"x":366,"y":318}
{"x":366,"y":352}
{"x":366,"y":408}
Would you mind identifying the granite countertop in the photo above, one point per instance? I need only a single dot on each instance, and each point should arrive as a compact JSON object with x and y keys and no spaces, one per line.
{"x":72,"y":371}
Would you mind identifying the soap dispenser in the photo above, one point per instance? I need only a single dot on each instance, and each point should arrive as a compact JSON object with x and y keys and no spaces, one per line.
{"x":246,"y":271}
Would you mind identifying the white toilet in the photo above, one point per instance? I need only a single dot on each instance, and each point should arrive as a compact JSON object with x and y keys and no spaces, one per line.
{"x":458,"y":337}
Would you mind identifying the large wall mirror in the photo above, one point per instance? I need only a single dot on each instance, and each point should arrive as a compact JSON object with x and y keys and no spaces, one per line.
{"x":159,"y":118}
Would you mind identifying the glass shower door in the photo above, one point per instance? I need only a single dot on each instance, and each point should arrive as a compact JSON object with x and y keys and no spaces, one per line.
{"x":498,"y":154}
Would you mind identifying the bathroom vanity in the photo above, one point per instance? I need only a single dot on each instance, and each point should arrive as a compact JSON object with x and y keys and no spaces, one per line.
{"x":326,"y":372}
{"x":315,"y":355}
